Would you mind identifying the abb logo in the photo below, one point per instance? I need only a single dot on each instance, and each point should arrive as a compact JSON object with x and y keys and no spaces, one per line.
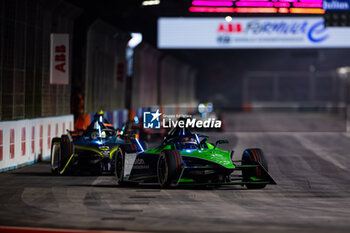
{"x":60,"y":58}
{"x":230,"y":28}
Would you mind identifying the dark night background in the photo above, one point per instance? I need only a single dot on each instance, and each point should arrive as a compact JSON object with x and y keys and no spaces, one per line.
{"x":222,"y":69}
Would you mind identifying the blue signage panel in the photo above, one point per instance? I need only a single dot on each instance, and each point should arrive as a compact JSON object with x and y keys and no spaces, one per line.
{"x":336,"y":5}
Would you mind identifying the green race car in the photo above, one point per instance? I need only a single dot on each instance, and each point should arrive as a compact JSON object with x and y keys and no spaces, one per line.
{"x":185,"y":158}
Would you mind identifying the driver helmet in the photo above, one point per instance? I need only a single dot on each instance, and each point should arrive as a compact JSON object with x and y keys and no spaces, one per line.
{"x":98,"y":130}
{"x":187,"y":140}
{"x":99,"y":116}
{"x":96,"y":135}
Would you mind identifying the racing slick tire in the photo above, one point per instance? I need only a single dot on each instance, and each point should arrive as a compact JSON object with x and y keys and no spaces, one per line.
{"x":66,"y":151}
{"x":118,"y":167}
{"x":251,"y":157}
{"x":168,"y":167}
{"x":113,"y":163}
{"x":54,"y":155}
{"x":118,"y":161}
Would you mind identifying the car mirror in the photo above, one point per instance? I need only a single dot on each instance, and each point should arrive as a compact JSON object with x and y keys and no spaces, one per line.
{"x":203,"y":140}
{"x":220,"y":142}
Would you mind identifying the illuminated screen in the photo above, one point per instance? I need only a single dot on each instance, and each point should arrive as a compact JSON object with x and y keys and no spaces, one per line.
{"x":258,"y":6}
{"x":249,"y":33}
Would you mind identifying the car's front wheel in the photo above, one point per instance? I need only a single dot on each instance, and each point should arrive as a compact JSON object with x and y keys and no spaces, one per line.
{"x":168,"y":167}
{"x":254,"y":157}
{"x":55,"y":154}
{"x":119,"y":166}
{"x":65,"y":154}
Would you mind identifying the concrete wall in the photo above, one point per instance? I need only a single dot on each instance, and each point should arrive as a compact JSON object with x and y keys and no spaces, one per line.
{"x":24,"y":142}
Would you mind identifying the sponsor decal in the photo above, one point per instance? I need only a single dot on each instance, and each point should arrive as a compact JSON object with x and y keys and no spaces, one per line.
{"x":140,"y":164}
{"x":59,"y":61}
{"x":336,"y":5}
{"x":230,"y":28}
{"x":316,"y":32}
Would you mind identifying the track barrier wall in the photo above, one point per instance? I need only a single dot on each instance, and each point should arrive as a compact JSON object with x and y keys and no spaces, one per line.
{"x":24,"y":142}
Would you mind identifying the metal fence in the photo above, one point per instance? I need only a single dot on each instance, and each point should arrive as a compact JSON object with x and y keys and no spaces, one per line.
{"x":161,"y":79}
{"x":105,"y":67}
{"x":25,"y":27}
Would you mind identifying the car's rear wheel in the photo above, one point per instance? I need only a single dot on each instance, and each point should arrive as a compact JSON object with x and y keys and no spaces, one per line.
{"x":168,"y":167}
{"x":66,"y":151}
{"x":254,"y":157}
{"x":54,"y":155}
{"x":112,"y":162}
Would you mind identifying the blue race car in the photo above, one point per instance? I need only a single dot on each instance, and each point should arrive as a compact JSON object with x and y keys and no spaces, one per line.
{"x":90,"y":150}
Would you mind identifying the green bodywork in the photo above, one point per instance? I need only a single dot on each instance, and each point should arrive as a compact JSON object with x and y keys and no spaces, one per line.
{"x":215,"y":155}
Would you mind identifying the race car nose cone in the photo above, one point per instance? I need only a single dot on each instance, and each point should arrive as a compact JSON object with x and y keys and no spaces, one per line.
{"x":105,"y":153}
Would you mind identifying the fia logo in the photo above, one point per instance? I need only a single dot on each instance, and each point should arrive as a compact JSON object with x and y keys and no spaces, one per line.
{"x":151,"y":120}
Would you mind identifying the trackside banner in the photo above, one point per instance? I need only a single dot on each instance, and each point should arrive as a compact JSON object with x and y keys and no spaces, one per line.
{"x":59,"y":62}
{"x":250,"y":33}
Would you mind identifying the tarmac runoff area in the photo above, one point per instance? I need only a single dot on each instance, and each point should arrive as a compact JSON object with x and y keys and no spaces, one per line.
{"x":312,"y":195}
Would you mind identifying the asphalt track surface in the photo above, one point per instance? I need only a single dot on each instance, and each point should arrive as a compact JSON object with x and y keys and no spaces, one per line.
{"x":312,"y":195}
